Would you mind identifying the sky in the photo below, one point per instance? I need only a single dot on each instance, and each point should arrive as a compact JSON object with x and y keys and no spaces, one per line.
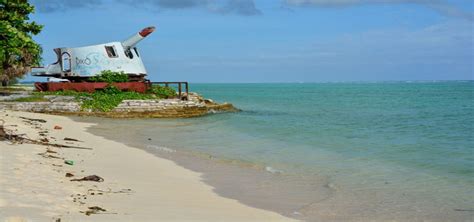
{"x":227,"y":41}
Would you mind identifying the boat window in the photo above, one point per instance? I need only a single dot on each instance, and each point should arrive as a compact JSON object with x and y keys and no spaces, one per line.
{"x":136,"y":51}
{"x":111,"y":51}
{"x":129,"y":54}
{"x":66,"y":62}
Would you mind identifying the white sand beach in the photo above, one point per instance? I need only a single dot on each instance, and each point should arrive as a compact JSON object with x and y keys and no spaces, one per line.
{"x":137,"y":186}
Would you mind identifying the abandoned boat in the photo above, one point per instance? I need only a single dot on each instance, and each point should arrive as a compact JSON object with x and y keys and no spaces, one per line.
{"x":80,"y":63}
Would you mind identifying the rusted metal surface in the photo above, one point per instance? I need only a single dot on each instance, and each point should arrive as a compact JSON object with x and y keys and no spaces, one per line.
{"x":140,"y":87}
{"x":87,"y":61}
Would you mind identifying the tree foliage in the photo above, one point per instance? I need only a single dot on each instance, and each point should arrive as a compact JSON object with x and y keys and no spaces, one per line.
{"x":18,"y":51}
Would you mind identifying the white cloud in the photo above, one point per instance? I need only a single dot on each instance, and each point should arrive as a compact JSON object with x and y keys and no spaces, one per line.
{"x":442,"y":7}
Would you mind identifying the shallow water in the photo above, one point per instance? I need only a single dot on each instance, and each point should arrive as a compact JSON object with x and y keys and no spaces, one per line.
{"x":391,"y":150}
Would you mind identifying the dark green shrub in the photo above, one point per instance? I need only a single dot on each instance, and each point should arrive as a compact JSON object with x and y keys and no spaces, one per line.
{"x":162,"y":92}
{"x":110,"y":77}
{"x":110,"y":97}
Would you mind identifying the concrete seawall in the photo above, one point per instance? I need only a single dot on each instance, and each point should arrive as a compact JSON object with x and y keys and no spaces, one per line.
{"x":42,"y":107}
{"x":164,"y":108}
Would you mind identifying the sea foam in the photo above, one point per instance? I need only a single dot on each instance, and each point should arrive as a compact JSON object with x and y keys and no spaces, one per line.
{"x":272,"y":170}
{"x":161,"y":148}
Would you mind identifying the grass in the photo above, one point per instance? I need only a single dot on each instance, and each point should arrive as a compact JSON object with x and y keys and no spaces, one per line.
{"x":14,"y":88}
{"x":34,"y":98}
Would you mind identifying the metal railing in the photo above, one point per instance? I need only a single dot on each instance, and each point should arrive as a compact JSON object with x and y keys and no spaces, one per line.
{"x":180,"y":87}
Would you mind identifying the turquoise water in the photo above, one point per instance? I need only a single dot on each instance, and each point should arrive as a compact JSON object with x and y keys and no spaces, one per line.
{"x":407,"y":139}
{"x":424,"y":126}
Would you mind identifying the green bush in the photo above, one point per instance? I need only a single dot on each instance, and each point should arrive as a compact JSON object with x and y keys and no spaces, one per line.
{"x":110,"y":97}
{"x":107,"y":99}
{"x":64,"y":93}
{"x":162,"y":92}
{"x":110,"y":77}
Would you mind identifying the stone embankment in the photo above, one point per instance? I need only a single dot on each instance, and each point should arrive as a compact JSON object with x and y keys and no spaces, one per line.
{"x":163,"y":108}
{"x":42,"y":107}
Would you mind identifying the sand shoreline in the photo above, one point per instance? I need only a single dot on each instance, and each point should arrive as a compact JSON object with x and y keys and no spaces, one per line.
{"x":251,"y":184}
{"x":311,"y":197}
{"x":137,"y":186}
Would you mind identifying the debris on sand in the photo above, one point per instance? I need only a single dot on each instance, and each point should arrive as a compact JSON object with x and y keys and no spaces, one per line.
{"x":20,"y":138}
{"x":101,"y":192}
{"x":69,"y":162}
{"x":93,"y":210}
{"x":46,"y":155}
{"x":58,"y":127}
{"x":51,"y":151}
{"x":3,"y":134}
{"x":33,"y":120}
{"x":71,"y":139}
{"x":94,"y":178}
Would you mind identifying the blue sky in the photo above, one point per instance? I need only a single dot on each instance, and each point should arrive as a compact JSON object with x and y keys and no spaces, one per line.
{"x":274,"y":40}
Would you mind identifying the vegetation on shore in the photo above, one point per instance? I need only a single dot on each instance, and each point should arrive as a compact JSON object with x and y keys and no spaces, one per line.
{"x":108,"y":98}
{"x":16,"y":88}
{"x":162,"y":92}
{"x":33,"y":98}
{"x":18,"y":51}
{"x":110,"y":77}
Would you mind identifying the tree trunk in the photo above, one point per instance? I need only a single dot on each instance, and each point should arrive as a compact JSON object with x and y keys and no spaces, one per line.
{"x":5,"y":81}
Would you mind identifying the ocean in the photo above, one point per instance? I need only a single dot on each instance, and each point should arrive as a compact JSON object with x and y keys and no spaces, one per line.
{"x":381,"y":150}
